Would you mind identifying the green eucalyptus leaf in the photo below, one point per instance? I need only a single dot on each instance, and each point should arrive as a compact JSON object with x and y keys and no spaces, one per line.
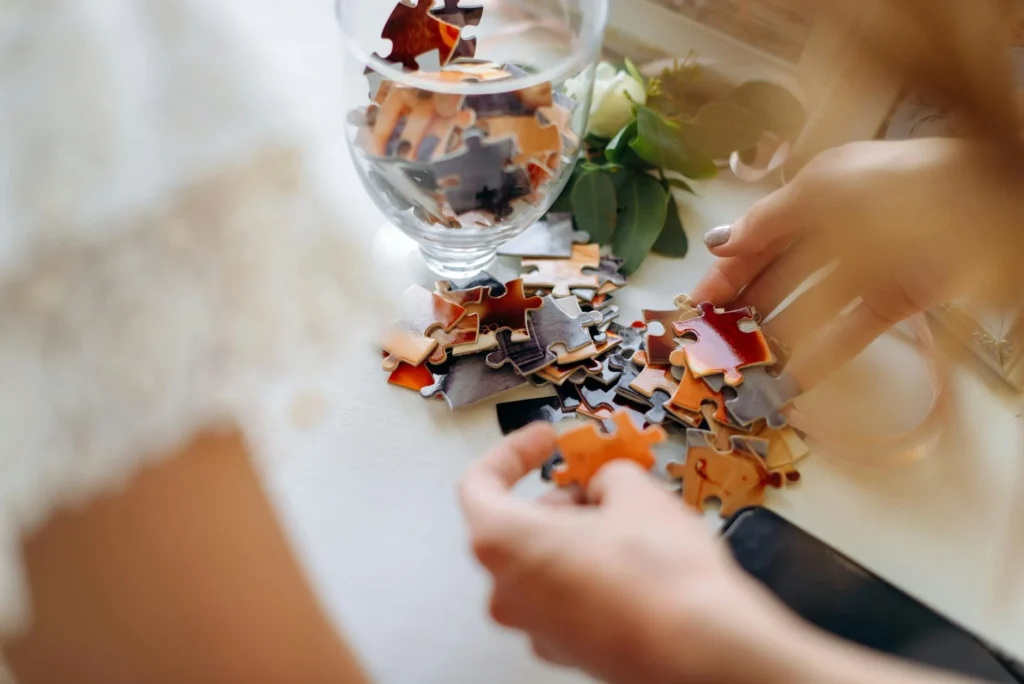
{"x":780,"y":110}
{"x":620,"y":175}
{"x":634,"y":72}
{"x":721,"y":128}
{"x":673,"y":241}
{"x":563,"y":204}
{"x":643,"y":216}
{"x":594,"y":205}
{"x":616,"y":150}
{"x":660,"y":142}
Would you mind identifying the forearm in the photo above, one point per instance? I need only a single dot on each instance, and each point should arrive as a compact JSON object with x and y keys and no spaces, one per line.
{"x":185,"y":576}
{"x":822,"y":658}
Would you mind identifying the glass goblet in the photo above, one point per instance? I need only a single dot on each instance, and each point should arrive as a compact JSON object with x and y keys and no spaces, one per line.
{"x":465,"y":145}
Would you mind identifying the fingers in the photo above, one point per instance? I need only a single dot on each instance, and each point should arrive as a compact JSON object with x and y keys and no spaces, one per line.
{"x":564,"y":496}
{"x":497,"y":521}
{"x":812,"y":310}
{"x":779,"y":279}
{"x":747,"y":247}
{"x":547,"y":651}
{"x":623,"y":482}
{"x":771,"y":223}
{"x":842,"y":340}
{"x":490,"y":478}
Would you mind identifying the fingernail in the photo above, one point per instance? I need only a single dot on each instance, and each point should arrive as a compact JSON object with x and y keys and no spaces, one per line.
{"x":716,"y":237}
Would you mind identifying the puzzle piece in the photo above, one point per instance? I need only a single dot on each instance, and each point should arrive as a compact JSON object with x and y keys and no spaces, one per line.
{"x":461,"y":17}
{"x":479,"y":178}
{"x":550,"y":325}
{"x":534,"y":141}
{"x":785,"y":450}
{"x":512,"y":103}
{"x":692,"y":394}
{"x":422,"y":312}
{"x":736,"y":478}
{"x":558,"y":275}
{"x":661,"y":346}
{"x":657,"y":413}
{"x":630,"y":369}
{"x":414,"y":32}
{"x":586,"y":450}
{"x":548,"y":238}
{"x":652,"y":378}
{"x":465,"y":333}
{"x":608,"y":276}
{"x":516,"y":415}
{"x":588,"y":351}
{"x":558,"y":375}
{"x":414,"y":378}
{"x":469,"y":380}
{"x":759,"y":396}
{"x":417,"y":125}
{"x":723,"y":433}
{"x":721,"y":346}
{"x":632,"y":338}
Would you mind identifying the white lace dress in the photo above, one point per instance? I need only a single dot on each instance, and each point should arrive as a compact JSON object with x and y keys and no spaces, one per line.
{"x":166,"y":249}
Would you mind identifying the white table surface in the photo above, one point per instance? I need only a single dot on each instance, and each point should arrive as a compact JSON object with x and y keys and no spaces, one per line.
{"x":368,"y":495}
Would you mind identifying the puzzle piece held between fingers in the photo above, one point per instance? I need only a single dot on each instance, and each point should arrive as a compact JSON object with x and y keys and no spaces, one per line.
{"x":414,"y":32}
{"x":721,"y":346}
{"x":559,"y":275}
{"x":738,"y":478}
{"x":585,"y":450}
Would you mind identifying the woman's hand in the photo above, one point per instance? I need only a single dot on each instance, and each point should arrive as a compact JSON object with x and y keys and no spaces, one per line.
{"x":630,"y":589}
{"x":905,"y":225}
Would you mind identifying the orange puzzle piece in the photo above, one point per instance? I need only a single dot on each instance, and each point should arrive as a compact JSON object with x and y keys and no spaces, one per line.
{"x":692,"y":393}
{"x":414,"y":378}
{"x":423,"y":312}
{"x":735,"y":478}
{"x":585,"y":450}
{"x":416,"y":124}
{"x":558,"y":275}
{"x":721,"y":346}
{"x":534,"y":141}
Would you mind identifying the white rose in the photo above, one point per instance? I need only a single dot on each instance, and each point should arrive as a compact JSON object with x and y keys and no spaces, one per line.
{"x":610,"y":108}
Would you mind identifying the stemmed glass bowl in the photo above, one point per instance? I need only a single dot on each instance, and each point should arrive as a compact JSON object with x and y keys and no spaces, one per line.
{"x":466,"y":145}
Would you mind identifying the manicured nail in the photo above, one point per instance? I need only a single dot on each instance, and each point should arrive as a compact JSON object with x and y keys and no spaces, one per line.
{"x":716,"y":237}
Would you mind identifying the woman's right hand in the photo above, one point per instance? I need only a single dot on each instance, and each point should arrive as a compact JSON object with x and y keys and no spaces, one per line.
{"x":907,"y":225}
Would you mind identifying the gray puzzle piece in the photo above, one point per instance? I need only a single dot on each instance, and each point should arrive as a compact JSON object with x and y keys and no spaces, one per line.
{"x":480,"y":165}
{"x":632,"y":339}
{"x":547,"y":326}
{"x":607,"y":272}
{"x":759,"y":396}
{"x":658,"y":415}
{"x":551,"y":237}
{"x":469,"y":379}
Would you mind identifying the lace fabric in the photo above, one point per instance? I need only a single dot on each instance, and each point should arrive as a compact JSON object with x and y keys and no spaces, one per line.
{"x":164,"y":252}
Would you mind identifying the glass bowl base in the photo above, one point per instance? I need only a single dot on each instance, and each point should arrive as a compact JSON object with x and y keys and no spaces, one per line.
{"x":457,"y":263}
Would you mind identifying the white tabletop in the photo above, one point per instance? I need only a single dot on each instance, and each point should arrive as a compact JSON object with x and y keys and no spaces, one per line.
{"x":368,"y":495}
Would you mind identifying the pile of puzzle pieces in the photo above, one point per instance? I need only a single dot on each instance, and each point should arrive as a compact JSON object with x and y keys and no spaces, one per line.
{"x":551,"y":322}
{"x":699,"y":377}
{"x":459,"y":160}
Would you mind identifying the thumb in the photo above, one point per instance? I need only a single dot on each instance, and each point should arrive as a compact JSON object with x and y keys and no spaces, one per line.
{"x":771,"y":223}
{"x":622,"y":482}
